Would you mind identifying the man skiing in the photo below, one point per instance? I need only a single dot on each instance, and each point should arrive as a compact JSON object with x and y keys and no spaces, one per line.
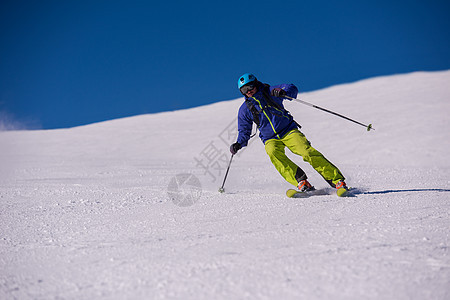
{"x":264,"y":105}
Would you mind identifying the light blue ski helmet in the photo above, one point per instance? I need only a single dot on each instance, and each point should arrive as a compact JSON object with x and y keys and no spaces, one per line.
{"x":246,"y":78}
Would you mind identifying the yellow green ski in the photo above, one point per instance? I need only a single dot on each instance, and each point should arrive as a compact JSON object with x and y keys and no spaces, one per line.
{"x":342,"y":192}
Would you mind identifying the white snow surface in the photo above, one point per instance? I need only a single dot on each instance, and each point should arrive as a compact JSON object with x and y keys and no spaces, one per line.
{"x":90,"y":212}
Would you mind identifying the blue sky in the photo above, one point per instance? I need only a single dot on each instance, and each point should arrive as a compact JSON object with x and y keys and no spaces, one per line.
{"x":70,"y":63}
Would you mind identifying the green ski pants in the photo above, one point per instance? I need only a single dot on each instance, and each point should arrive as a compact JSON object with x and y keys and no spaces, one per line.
{"x":298,"y":144}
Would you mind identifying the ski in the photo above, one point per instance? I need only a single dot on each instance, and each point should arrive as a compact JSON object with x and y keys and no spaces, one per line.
{"x":291,"y":193}
{"x":342,"y":192}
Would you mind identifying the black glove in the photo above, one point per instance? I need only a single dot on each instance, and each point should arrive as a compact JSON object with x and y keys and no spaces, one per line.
{"x":235,"y":148}
{"x":277,"y":92}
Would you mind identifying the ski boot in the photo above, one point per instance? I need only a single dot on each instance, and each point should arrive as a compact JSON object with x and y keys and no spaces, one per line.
{"x":303,"y":188}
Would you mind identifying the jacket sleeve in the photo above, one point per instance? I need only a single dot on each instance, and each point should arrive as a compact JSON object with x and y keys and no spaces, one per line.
{"x":245,"y":124}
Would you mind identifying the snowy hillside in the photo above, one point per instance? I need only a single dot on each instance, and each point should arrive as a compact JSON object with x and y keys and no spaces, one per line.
{"x":129,"y":208}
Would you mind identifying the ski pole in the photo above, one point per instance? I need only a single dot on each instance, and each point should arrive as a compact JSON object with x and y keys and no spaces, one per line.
{"x":369,"y":127}
{"x":221,"y":189}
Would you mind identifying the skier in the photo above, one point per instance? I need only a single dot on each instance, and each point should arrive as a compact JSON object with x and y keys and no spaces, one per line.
{"x":277,"y":129}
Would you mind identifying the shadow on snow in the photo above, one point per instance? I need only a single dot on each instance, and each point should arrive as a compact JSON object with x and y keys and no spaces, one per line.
{"x":405,"y":191}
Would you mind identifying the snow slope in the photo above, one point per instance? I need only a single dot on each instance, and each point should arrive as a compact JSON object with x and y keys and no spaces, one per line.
{"x":103,"y":212}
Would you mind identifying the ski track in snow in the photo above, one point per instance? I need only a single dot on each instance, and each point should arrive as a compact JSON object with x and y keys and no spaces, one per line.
{"x":85,"y":212}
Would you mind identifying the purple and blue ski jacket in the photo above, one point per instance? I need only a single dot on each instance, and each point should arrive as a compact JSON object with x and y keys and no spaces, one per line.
{"x":274,"y":123}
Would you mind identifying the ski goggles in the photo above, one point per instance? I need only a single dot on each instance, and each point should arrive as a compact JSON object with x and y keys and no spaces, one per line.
{"x":246,"y":88}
